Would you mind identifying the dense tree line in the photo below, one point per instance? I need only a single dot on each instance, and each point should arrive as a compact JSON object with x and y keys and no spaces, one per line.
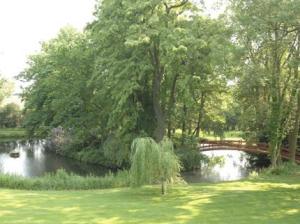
{"x":151,"y":68}
{"x":268,"y":89}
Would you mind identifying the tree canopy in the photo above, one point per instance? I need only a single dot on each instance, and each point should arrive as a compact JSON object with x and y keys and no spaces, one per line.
{"x":160,"y":68}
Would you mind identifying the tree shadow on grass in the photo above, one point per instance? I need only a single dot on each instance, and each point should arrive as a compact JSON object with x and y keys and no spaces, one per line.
{"x":252,"y":202}
{"x":236,"y":202}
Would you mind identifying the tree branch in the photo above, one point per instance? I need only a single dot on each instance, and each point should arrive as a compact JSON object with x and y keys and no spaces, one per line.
{"x":169,"y":8}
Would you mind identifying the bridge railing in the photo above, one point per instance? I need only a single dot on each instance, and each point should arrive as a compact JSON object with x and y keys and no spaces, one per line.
{"x":240,"y":144}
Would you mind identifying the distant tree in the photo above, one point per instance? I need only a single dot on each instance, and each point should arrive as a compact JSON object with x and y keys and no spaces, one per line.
{"x":10,"y":116}
{"x":5,"y":88}
{"x":153,"y":162}
{"x":59,"y":95}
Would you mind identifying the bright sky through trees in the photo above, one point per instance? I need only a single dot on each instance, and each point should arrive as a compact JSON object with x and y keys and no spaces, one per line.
{"x":24,"y":24}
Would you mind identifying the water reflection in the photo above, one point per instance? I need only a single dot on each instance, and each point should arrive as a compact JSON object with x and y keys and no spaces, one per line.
{"x":34,"y":160}
{"x":235,"y":166}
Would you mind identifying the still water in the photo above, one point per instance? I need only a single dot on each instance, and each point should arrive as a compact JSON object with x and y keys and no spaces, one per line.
{"x":235,"y":166}
{"x":35,"y":161}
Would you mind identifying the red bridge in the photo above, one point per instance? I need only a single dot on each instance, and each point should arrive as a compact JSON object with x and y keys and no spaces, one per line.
{"x":259,"y":148}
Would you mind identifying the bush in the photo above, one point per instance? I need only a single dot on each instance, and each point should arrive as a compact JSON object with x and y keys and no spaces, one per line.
{"x":191,"y":159}
{"x":61,"y":180}
{"x":10,"y":116}
{"x":153,"y":162}
{"x":286,"y":169}
{"x":188,"y":153}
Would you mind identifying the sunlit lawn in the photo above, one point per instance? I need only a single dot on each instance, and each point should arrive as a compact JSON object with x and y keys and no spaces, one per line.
{"x":228,"y":135}
{"x":250,"y":202}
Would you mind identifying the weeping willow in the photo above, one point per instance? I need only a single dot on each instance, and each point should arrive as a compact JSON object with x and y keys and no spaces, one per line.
{"x":153,"y":162}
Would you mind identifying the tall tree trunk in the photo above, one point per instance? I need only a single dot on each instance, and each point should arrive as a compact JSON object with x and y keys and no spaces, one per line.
{"x":171,"y":104}
{"x":159,"y":130}
{"x":200,"y":115}
{"x":294,"y":133}
{"x":275,"y":126}
{"x":293,"y":137}
{"x":189,"y":127}
{"x":163,"y":187}
{"x":183,"y":128}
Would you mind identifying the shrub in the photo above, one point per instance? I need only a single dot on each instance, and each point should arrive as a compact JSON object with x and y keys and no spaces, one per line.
{"x":191,"y":159}
{"x":10,"y":116}
{"x":284,"y":169}
{"x":153,"y":162}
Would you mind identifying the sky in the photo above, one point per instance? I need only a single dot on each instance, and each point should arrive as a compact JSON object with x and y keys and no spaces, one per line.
{"x":24,"y":24}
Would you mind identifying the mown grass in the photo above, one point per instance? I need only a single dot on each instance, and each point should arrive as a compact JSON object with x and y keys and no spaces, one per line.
{"x":12,"y":134}
{"x":228,"y":135}
{"x":268,"y":201}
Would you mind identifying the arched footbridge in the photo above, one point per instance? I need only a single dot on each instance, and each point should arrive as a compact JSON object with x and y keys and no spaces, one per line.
{"x":259,"y":148}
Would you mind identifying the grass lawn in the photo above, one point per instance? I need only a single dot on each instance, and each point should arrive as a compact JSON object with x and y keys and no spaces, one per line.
{"x":253,"y":201}
{"x":12,"y":133}
{"x":228,"y":135}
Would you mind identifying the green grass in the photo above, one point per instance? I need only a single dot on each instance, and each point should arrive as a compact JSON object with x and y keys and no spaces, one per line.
{"x":61,"y":180}
{"x":12,"y":133}
{"x":265,"y":201}
{"x":228,"y":135}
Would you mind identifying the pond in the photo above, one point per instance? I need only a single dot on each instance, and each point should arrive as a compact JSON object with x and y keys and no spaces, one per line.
{"x":234,"y":165}
{"x":35,"y":161}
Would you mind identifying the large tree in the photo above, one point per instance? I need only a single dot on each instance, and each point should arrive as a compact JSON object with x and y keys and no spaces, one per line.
{"x":139,"y":69}
{"x":268,"y":32}
{"x":138,"y":44}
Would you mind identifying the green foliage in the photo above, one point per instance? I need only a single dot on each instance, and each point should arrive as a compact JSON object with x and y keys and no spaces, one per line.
{"x":128,"y":75}
{"x":10,"y":116}
{"x":5,"y":88}
{"x":285,"y":169}
{"x":153,"y":162}
{"x":61,"y":180}
{"x":269,"y":84}
{"x":190,"y":158}
{"x":153,"y":67}
{"x":59,"y":93}
{"x":188,"y":153}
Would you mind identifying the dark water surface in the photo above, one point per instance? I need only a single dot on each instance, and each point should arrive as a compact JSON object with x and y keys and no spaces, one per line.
{"x":35,"y":161}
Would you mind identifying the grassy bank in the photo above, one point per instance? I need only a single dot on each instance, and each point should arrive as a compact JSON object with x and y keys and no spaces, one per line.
{"x":12,"y":134}
{"x":274,"y":200}
{"x":61,"y":180}
{"x":228,"y":135}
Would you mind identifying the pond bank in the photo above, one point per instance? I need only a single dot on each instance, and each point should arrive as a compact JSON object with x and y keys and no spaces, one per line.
{"x":36,"y":161}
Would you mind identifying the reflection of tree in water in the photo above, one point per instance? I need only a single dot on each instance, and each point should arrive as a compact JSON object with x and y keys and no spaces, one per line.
{"x":6,"y":147}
